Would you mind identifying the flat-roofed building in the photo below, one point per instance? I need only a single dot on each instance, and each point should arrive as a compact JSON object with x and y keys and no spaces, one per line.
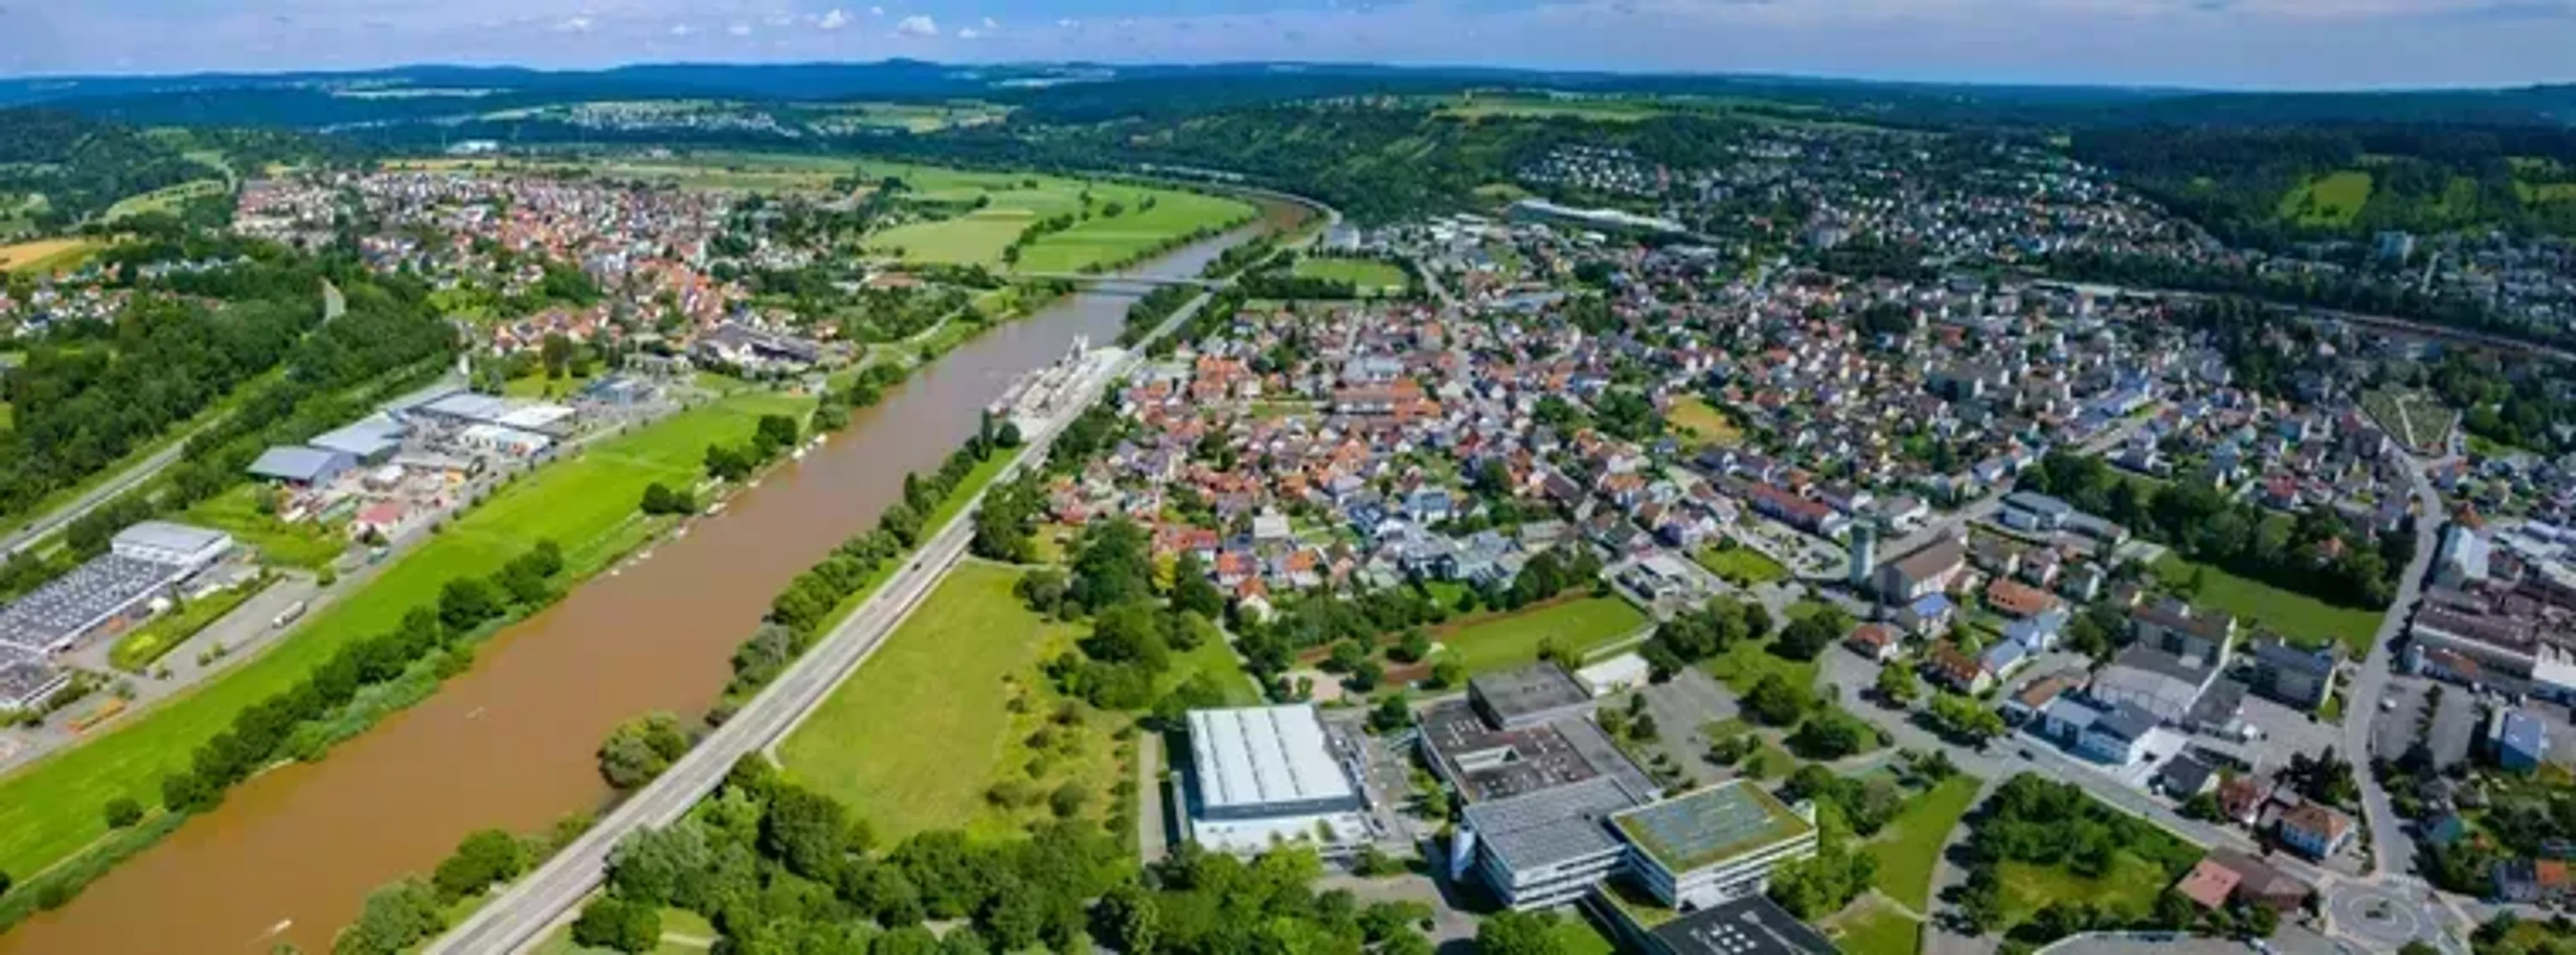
{"x":1485,"y":763}
{"x":1548,"y":847}
{"x":370,"y":440}
{"x":27,"y":679}
{"x":1529,"y":696}
{"x":1266,"y":774}
{"x":1714,"y":845}
{"x":1752,"y":925}
{"x":301,"y":466}
{"x":178,"y":545}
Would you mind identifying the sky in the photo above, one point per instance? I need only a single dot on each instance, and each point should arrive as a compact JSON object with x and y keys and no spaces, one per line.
{"x":2273,"y":44}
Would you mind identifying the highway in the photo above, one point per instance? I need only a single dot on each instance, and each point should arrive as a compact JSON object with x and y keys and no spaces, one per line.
{"x":523,"y":913}
{"x":129,"y":479}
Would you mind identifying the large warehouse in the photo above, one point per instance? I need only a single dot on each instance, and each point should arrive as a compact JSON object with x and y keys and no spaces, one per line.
{"x":143,"y":562}
{"x":1267,"y":774}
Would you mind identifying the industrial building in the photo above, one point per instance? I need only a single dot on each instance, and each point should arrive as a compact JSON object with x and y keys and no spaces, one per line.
{"x":1545,"y":848}
{"x":1751,"y":925}
{"x":1269,"y":774}
{"x":142,"y":563}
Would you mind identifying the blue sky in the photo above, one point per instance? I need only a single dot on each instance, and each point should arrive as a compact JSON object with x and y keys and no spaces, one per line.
{"x":2212,"y":43}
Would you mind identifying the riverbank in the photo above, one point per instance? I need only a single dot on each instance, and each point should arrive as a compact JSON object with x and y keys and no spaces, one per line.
{"x":49,"y":810}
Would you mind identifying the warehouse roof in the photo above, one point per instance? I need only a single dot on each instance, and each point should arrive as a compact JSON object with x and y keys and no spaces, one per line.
{"x":1264,"y":755}
{"x":366,"y":438}
{"x":1710,"y":826}
{"x":296,"y":463}
{"x":166,"y":536}
{"x":1553,"y":826}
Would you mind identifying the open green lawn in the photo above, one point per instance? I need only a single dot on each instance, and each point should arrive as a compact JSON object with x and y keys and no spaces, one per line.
{"x":1704,"y":423}
{"x":1370,"y":276}
{"x":51,"y":809}
{"x":912,"y":740}
{"x":1871,"y":927}
{"x":1910,"y":844}
{"x":1770,"y":761}
{"x":143,"y":645}
{"x":2331,"y":200}
{"x":2305,"y":620}
{"x":1576,"y":935}
{"x":243,"y":512}
{"x":1216,"y":659}
{"x":2130,"y":887}
{"x":1742,"y":566}
{"x":1510,"y":640}
{"x":1745,"y":663}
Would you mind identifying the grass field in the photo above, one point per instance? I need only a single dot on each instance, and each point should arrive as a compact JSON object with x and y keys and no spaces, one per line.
{"x":1746,"y":662}
{"x":51,"y":809}
{"x":1510,"y":640}
{"x":2304,"y":620}
{"x":46,"y":255}
{"x":2130,"y":887}
{"x":1704,"y":423}
{"x":1871,"y":927}
{"x":1910,"y":845}
{"x":1771,"y":761}
{"x":1216,"y":659}
{"x":2332,"y":200}
{"x":165,"y":199}
{"x":1742,"y":566}
{"x":1369,"y":276}
{"x":978,"y":237}
{"x":1535,"y":106}
{"x":139,"y":648}
{"x":243,"y":513}
{"x":914,"y":738}
{"x":1576,"y":935}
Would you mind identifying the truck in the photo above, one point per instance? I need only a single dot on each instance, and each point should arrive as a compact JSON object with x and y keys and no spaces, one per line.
{"x":288,"y":615}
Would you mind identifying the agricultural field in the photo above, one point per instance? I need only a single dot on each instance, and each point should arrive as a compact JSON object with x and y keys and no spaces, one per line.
{"x":909,"y":117}
{"x":165,"y":199}
{"x":1369,"y":276}
{"x":2332,"y":200}
{"x":1501,"y":642}
{"x":2303,"y":620}
{"x":917,"y":738}
{"x":50,"y":809}
{"x":1542,"y":106}
{"x":1703,"y":423}
{"x":46,"y":255}
{"x":1012,"y":204}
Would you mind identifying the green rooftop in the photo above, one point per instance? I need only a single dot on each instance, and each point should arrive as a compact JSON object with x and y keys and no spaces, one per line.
{"x":1710,"y":826}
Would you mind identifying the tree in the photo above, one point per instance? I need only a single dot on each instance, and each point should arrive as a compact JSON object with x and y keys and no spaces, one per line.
{"x":614,"y":923}
{"x":1966,"y":718}
{"x":1832,"y":734}
{"x":465,"y":603}
{"x":1775,"y":702}
{"x":392,"y":920}
{"x":1192,"y":590}
{"x":1897,"y":685}
{"x":1518,"y":933}
{"x":807,"y":830}
{"x":123,"y":811}
{"x":1448,"y":673}
{"x":1390,"y":714}
{"x":1808,"y":636}
{"x":484,"y":857}
{"x":640,"y":749}
{"x":5,"y":883}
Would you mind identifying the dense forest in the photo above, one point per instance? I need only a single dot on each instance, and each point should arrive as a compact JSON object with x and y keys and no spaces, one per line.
{"x":82,"y":166}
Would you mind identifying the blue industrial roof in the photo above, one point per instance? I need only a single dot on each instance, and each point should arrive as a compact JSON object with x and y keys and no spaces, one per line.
{"x":2521,"y":734}
{"x":297,"y":463}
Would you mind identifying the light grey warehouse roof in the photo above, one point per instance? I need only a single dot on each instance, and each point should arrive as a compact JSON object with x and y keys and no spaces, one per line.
{"x":294,"y":463}
{"x":1265,"y":755}
{"x":163,"y":535}
{"x":1553,"y":826}
{"x":368,"y":437}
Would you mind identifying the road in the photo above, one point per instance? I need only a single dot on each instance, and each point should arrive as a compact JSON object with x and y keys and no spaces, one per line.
{"x":131,"y":478}
{"x":523,"y":913}
{"x":2361,"y":700}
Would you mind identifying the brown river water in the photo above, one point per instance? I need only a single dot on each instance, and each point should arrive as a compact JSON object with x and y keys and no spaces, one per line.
{"x":290,"y":855}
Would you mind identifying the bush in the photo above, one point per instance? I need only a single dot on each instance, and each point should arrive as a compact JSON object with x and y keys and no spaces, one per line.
{"x":611,"y":922}
{"x":123,"y":811}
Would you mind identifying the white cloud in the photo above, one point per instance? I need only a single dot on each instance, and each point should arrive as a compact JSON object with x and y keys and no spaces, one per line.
{"x":739,"y":29}
{"x":876,"y":11}
{"x":834,"y":20}
{"x":992,"y":24}
{"x":967,"y":33}
{"x":574,"y":25}
{"x":917,"y":25}
{"x":681,"y":29}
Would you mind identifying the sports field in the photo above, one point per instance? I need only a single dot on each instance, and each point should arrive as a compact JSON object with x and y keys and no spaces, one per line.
{"x":51,"y":809}
{"x":1369,"y":276}
{"x":1510,"y":640}
{"x":915,"y":737}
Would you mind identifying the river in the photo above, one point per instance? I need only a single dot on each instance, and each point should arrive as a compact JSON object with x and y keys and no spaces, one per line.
{"x":290,"y":855}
